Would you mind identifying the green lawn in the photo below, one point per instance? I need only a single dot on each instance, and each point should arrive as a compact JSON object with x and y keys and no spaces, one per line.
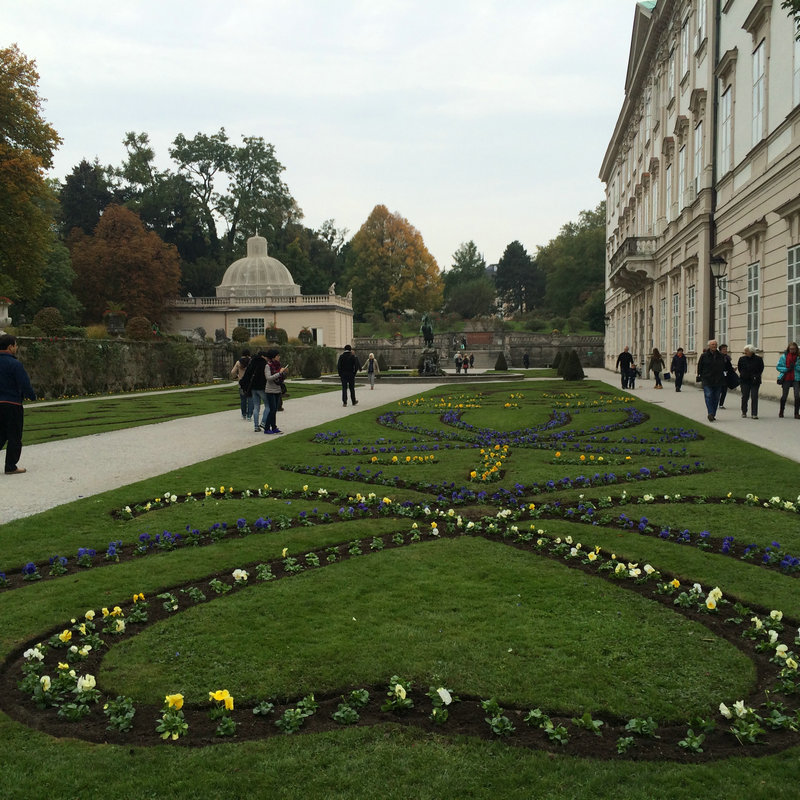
{"x":404,"y":566}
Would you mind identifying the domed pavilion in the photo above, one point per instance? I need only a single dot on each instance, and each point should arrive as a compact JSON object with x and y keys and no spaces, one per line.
{"x":258,"y":292}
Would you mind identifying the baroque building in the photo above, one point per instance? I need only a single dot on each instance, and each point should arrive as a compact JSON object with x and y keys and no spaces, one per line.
{"x":258,"y":292}
{"x":702,"y":180}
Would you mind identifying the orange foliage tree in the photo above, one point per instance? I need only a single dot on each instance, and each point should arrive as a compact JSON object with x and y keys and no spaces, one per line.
{"x":123,"y":263}
{"x":389,"y":266}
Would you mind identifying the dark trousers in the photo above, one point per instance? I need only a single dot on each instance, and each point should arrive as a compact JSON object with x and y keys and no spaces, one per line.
{"x":11,"y":417}
{"x":271,"y":423}
{"x":749,"y":392}
{"x":785,"y":387}
{"x":348,"y":383}
{"x":678,"y":380}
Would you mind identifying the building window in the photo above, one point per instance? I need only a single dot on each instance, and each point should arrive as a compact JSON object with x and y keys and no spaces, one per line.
{"x":648,"y":116}
{"x":726,"y":130}
{"x":668,"y":193}
{"x":645,"y":213}
{"x":254,"y":325}
{"x":684,"y":48}
{"x":671,"y":74}
{"x":662,"y":312}
{"x":690,"y":311}
{"x":752,"y":303}
{"x":676,"y":312}
{"x":793,"y":292}
{"x":721,"y":332}
{"x":681,"y":176}
{"x":759,"y":92}
{"x":796,"y":91}
{"x":701,"y":22}
{"x":698,"y":156}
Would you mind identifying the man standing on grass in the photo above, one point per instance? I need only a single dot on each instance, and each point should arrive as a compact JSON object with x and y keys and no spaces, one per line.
{"x":15,"y":385}
{"x":347,"y":367}
{"x":711,"y":372}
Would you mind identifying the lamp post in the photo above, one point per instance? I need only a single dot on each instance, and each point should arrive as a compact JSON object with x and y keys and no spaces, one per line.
{"x":719,"y":267}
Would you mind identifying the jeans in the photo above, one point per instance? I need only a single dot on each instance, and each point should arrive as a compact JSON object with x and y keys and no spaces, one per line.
{"x":271,"y":413}
{"x":247,"y":404}
{"x":259,"y":398}
{"x":657,"y":376}
{"x":711,"y":395}
{"x":678,"y":380}
{"x":749,"y":392}
{"x":348,"y":382}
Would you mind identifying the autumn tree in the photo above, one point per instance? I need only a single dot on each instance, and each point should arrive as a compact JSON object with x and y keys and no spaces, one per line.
{"x":27,"y":144}
{"x":389,"y":267}
{"x":519,"y":281}
{"x":126,"y":264}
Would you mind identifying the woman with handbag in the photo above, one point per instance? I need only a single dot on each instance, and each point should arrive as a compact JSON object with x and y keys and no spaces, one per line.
{"x":656,"y":366}
{"x":789,"y":378}
{"x":750,"y":366}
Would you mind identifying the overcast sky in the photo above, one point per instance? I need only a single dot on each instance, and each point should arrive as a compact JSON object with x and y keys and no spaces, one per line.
{"x":474,"y":119}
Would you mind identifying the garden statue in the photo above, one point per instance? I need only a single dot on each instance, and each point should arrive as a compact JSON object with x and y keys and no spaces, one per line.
{"x":426,"y":329}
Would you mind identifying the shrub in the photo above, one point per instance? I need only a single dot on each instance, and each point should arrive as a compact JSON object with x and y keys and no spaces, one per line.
{"x":50,"y":321}
{"x":96,"y":332}
{"x":535,"y":324}
{"x":501,"y":365}
{"x":311,"y":366}
{"x":557,"y":362}
{"x":139,"y":328}
{"x":240,"y":334}
{"x":557,"y":323}
{"x":383,"y":364}
{"x":575,"y":324}
{"x":75,"y":331}
{"x":278,"y":335}
{"x":572,"y":369}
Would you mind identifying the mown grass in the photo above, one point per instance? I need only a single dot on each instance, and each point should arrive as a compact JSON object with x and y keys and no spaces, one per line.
{"x":484,"y":618}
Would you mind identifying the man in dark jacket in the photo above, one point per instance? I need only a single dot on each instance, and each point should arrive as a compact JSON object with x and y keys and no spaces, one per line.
{"x":678,"y":368}
{"x":347,"y":367}
{"x":254,"y":382}
{"x":15,"y":386}
{"x":626,"y":368}
{"x":751,"y":367}
{"x":711,"y":372}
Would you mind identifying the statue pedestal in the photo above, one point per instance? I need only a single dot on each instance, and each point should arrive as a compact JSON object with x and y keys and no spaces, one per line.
{"x":429,"y":362}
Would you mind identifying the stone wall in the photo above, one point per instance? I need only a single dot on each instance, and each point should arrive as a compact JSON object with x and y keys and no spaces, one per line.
{"x":485,"y":346}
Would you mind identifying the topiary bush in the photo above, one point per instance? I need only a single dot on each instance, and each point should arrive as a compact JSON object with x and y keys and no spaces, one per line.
{"x":572,"y":369}
{"x":383,"y":364}
{"x":557,"y":362}
{"x":311,"y":366}
{"x":501,"y":365}
{"x":139,"y":328}
{"x":49,"y":321}
{"x":240,"y":334}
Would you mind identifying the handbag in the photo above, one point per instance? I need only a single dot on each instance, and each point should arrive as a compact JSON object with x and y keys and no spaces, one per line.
{"x":732,"y":379}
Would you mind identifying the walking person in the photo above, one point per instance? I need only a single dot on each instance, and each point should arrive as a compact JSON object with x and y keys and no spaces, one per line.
{"x":347,"y":367}
{"x":678,"y":368}
{"x":15,"y":386}
{"x":526,"y":360}
{"x":372,"y":369}
{"x":723,"y":348}
{"x":625,"y":366}
{"x":751,"y":365}
{"x":274,"y":375}
{"x":656,"y":366}
{"x":789,"y":378}
{"x":471,"y":360}
{"x":459,"y":361}
{"x":255,"y":380}
{"x":237,"y":373}
{"x":711,"y":373}
{"x":465,"y":364}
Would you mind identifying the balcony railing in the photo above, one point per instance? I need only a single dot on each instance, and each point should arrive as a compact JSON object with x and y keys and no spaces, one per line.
{"x":633,"y":263}
{"x":240,"y":302}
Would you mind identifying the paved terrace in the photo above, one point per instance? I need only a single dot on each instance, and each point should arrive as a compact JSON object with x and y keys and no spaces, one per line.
{"x":60,"y":472}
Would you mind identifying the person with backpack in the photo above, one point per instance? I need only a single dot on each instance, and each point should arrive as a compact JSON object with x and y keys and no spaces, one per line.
{"x":237,"y":373}
{"x":255,"y":382}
